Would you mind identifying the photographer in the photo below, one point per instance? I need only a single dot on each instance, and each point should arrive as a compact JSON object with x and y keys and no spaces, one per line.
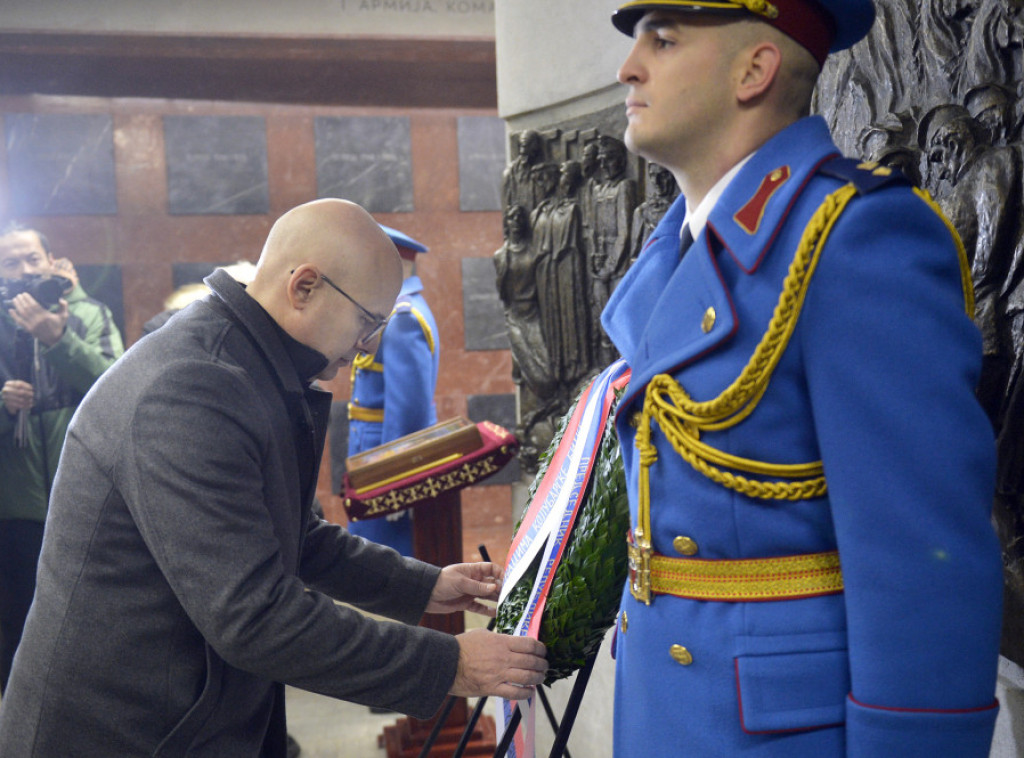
{"x":55,"y":341}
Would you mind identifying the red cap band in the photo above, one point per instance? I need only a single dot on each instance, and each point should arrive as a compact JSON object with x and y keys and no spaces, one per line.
{"x":806,"y":22}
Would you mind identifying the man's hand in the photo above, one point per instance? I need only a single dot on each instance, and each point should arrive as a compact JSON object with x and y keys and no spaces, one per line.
{"x":498,"y":665}
{"x":461,"y":585}
{"x":45,"y":326}
{"x":64,"y":267}
{"x":16,"y":396}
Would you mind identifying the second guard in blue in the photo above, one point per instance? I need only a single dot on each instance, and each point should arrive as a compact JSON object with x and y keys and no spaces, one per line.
{"x":393,"y":389}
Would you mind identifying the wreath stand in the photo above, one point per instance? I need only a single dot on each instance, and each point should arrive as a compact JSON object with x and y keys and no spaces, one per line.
{"x":437,"y":539}
{"x":562,"y":730}
{"x":462,"y":455}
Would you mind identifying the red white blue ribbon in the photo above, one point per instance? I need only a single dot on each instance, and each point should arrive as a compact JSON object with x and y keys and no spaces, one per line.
{"x":550,"y":518}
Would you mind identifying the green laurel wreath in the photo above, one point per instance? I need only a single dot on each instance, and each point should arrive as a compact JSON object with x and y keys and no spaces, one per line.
{"x":587,"y":586}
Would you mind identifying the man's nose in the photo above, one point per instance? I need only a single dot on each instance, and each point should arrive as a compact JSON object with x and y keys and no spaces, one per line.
{"x":630,"y":71}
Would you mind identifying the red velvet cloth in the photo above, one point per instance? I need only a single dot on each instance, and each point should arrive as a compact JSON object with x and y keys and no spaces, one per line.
{"x":499,"y":447}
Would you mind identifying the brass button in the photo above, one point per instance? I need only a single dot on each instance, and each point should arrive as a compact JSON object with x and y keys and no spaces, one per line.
{"x":708,"y":322}
{"x":684,"y":545}
{"x":625,"y":622}
{"x":680,"y":655}
{"x":635,"y":419}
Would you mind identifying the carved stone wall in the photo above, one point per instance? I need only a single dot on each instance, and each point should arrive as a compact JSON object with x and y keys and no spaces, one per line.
{"x":936,"y":89}
{"x":577,"y":209}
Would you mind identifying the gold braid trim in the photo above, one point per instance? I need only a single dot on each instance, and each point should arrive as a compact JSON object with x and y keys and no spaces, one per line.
{"x":682,"y":419}
{"x":760,"y":7}
{"x":427,"y":331}
{"x":961,"y":253}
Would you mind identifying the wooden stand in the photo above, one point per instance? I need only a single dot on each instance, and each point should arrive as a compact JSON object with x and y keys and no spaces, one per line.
{"x":437,"y":539}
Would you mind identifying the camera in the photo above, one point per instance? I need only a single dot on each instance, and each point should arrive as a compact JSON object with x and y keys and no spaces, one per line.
{"x":47,"y":290}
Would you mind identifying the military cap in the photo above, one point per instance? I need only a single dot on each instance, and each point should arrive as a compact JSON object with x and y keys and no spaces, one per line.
{"x":821,"y":26}
{"x":407,"y":246}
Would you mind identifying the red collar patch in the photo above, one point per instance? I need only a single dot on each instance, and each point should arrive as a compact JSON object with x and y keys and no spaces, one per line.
{"x":750,"y":215}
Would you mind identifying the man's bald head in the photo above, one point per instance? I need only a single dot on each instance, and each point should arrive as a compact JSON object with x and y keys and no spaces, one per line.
{"x":338,"y":240}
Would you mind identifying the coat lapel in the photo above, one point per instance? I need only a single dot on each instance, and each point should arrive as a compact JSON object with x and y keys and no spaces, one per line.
{"x":747,"y":218}
{"x":668,"y":313}
{"x":661,"y":314}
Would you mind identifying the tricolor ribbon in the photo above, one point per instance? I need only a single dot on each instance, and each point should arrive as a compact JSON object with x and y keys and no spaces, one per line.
{"x":550,"y":517}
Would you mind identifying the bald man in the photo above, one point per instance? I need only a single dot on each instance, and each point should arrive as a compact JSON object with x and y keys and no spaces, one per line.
{"x":183,"y":578}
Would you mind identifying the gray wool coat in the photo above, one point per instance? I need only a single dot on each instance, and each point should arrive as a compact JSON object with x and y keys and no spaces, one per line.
{"x":183,"y":576}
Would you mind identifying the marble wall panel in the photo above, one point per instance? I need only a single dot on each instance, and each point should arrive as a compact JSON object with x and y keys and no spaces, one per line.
{"x":365,"y":159}
{"x":216,"y":165}
{"x":481,"y":162}
{"x":483,"y":314}
{"x":104,"y":283}
{"x":60,"y":164}
{"x":501,"y":410}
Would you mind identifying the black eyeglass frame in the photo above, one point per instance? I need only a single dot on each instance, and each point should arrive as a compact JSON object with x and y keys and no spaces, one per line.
{"x":378,"y":323}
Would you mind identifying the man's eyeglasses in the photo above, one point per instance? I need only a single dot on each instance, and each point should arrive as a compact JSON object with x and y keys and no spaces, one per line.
{"x":378,"y":323}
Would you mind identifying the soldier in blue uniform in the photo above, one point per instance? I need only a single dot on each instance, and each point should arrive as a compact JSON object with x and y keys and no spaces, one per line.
{"x":813,"y":569}
{"x":393,"y":389}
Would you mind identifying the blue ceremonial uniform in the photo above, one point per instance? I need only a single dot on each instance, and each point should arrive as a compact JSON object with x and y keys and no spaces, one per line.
{"x":876,"y":382}
{"x":393,"y":395}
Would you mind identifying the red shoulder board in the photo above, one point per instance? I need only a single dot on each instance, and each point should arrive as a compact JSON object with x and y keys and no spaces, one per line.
{"x":750,"y":215}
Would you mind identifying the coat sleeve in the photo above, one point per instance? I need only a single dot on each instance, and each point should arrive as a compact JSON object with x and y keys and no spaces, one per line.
{"x":81,"y":358}
{"x":195,"y":475}
{"x":408,"y":358}
{"x":372,"y":577}
{"x":892,"y":361}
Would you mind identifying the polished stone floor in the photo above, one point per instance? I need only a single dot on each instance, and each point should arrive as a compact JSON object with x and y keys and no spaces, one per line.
{"x":329,"y":728}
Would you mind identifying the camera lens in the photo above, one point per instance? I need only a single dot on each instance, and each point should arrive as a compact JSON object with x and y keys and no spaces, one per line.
{"x":47,"y":292}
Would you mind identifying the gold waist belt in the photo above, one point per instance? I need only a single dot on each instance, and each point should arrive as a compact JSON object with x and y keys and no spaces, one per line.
{"x":783,"y":578}
{"x":359,"y":413}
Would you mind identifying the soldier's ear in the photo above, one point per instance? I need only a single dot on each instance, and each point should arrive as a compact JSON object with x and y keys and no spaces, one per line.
{"x":760,"y":66}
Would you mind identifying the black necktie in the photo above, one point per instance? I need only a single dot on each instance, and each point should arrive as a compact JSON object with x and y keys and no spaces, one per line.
{"x":685,"y":240}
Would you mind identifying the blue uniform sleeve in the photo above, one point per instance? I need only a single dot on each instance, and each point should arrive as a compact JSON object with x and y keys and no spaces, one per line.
{"x":892,"y":361}
{"x":407,"y":355}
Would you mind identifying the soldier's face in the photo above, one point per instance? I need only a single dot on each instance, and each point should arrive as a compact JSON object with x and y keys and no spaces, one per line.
{"x":679,"y":78}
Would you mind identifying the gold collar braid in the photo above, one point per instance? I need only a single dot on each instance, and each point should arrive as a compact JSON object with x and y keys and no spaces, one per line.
{"x":682,"y":419}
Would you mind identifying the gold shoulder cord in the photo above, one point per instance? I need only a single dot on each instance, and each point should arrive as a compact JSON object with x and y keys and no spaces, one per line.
{"x":961,"y":253}
{"x":427,"y":331}
{"x":682,"y":419}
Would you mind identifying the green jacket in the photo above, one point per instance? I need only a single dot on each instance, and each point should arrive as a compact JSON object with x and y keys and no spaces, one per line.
{"x":89,"y":346}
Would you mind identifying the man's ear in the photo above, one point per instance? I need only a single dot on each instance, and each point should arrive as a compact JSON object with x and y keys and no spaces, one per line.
{"x":301,"y":284}
{"x":761,"y":68}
